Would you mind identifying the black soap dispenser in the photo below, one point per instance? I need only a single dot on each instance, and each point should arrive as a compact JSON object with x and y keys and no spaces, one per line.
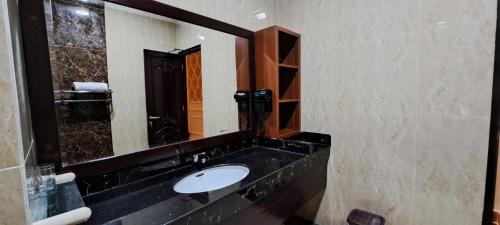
{"x":263,"y":102}
{"x":241,"y":98}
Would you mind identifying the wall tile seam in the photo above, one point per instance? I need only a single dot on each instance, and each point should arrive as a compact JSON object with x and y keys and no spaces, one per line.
{"x":360,"y":114}
{"x":456,"y":23}
{"x":30,"y":150}
{"x":418,"y":31}
{"x":418,"y":114}
{"x":416,"y":119}
{"x":335,"y":114}
{"x":363,"y":115}
{"x":277,"y":10}
{"x":453,"y":116}
{"x":389,"y":35}
{"x":10,"y":168}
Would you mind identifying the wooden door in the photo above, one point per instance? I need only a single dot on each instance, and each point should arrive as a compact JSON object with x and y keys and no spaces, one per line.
{"x":165,"y":98}
{"x":194,"y":94}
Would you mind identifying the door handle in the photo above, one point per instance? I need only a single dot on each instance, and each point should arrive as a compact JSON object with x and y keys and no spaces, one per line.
{"x":154,"y":117}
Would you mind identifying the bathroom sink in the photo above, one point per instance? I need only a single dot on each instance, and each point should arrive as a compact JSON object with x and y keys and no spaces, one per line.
{"x":211,"y":179}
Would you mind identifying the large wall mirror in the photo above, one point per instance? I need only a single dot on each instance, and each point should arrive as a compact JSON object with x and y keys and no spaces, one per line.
{"x":126,"y":80}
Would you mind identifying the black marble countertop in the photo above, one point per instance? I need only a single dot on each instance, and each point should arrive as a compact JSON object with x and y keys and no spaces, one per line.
{"x":153,"y":200}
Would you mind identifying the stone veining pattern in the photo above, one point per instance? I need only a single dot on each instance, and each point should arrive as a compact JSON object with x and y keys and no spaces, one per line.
{"x":11,"y":178}
{"x":387,"y":80}
{"x":77,"y":46}
{"x":404,"y":88}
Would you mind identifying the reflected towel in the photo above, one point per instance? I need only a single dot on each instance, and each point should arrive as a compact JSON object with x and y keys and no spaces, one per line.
{"x":90,"y":86}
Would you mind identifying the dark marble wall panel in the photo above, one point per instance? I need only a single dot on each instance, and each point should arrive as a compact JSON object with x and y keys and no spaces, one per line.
{"x":78,"y":64}
{"x":87,"y":145}
{"x":55,"y":77}
{"x":78,"y":24}
{"x":77,"y":45}
{"x":85,"y":132}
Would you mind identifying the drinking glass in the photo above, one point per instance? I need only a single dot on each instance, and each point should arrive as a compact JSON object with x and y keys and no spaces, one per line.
{"x":48,"y":175}
{"x":31,"y":183}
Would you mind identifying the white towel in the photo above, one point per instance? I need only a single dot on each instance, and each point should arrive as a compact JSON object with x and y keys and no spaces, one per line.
{"x":90,"y":86}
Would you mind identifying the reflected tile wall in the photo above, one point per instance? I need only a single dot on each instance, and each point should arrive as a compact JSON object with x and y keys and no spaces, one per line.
{"x":126,"y":72}
{"x":77,"y":44}
{"x":404,"y":87}
{"x":78,"y":51}
{"x":241,"y":13}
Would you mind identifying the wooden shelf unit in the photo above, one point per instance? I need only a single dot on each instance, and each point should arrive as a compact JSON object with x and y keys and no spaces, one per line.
{"x":288,"y":100}
{"x":277,"y":52}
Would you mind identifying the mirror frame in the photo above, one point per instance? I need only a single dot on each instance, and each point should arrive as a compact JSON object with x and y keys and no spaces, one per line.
{"x":41,"y":93}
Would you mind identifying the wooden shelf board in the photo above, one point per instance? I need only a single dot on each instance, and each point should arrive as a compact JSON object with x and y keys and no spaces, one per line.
{"x":288,"y":100}
{"x":285,"y":30}
{"x":288,"y":66}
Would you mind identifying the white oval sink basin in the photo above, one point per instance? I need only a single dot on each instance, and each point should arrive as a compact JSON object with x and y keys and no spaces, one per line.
{"x":211,"y":179}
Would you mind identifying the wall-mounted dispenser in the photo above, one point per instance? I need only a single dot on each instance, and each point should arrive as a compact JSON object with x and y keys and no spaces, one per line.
{"x":263,"y":107}
{"x":241,"y":98}
{"x":263,"y":102}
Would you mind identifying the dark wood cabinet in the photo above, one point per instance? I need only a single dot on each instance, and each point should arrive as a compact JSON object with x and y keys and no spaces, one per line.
{"x":278,"y":68}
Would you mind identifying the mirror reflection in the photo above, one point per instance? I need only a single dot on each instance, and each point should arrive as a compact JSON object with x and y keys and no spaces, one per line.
{"x":126,"y":80}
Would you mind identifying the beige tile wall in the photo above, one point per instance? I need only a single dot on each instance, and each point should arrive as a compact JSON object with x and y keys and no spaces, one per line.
{"x":404,"y":87}
{"x":238,"y":12}
{"x":9,"y":141}
{"x":15,"y":135}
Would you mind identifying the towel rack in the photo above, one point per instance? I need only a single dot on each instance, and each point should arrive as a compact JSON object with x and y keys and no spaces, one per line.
{"x":83,"y":92}
{"x":68,"y":96}
{"x":77,"y":101}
